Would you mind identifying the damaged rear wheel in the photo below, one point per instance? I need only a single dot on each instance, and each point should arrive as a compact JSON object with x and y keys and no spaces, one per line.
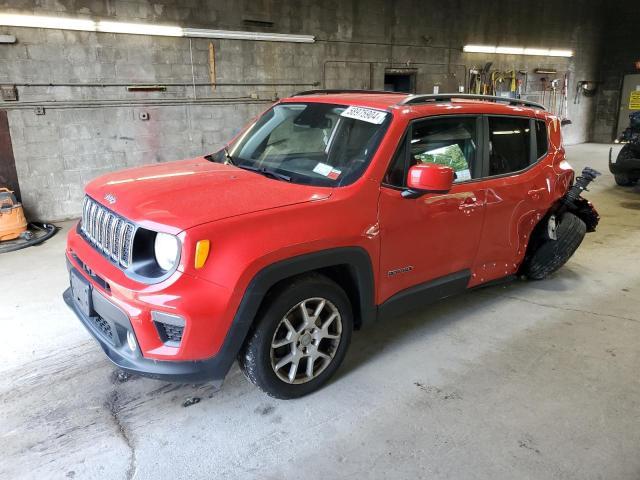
{"x":549,"y":255}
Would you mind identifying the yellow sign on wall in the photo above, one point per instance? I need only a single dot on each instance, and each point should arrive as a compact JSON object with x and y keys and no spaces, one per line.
{"x":634,"y":101}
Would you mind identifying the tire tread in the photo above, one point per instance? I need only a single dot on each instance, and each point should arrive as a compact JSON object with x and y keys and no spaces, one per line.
{"x":249,"y":357}
{"x":553,"y":254}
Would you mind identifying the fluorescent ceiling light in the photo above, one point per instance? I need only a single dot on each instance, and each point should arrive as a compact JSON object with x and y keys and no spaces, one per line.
{"x":560,"y":53}
{"x":536,"y":51}
{"x":479,"y":49}
{"x":510,"y":50}
{"x":542,"y":52}
{"x":106,"y":26}
{"x":34,"y":21}
{"x":138,"y":29}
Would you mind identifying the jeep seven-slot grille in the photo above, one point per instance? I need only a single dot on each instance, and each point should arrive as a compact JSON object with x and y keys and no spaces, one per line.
{"x":107,"y":232}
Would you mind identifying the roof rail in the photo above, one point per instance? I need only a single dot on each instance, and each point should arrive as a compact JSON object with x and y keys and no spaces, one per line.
{"x":447,"y":97}
{"x":340,"y":90}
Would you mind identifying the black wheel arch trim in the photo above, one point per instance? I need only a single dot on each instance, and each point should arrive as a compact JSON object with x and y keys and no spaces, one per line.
{"x":356,"y":258}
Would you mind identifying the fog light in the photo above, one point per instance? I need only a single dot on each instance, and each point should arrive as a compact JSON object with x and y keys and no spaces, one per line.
{"x":131,"y":340}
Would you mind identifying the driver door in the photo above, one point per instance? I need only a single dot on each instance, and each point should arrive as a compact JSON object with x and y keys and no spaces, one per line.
{"x":429,"y":244}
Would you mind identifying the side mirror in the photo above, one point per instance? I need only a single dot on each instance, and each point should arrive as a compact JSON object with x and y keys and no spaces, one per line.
{"x":565,"y":121}
{"x":428,"y":178}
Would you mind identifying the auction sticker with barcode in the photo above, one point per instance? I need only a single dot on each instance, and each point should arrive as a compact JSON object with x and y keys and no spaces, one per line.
{"x":365,"y":114}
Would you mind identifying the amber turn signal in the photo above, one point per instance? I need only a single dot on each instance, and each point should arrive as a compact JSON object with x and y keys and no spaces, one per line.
{"x":202,"y":252}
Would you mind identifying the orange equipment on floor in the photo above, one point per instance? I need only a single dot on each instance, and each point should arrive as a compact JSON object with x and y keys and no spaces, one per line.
{"x":13,"y":223}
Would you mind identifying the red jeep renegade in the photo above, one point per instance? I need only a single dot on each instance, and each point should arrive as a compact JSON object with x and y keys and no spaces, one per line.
{"x":332,"y":209}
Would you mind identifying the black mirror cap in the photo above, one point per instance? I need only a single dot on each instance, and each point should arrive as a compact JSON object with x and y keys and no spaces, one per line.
{"x":565,"y":121}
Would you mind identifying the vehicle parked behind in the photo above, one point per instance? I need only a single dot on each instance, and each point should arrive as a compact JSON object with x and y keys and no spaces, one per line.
{"x":626,"y":166}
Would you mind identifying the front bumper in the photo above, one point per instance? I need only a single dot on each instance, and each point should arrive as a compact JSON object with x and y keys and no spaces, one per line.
{"x":109,"y":325}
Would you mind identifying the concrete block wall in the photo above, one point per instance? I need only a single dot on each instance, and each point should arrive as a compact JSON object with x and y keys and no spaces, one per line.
{"x":619,"y":54}
{"x":100,"y":130}
{"x":58,"y":153}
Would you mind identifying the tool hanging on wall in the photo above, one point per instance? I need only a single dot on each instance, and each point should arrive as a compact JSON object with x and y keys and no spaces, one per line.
{"x":508,"y":83}
{"x":212,"y":66}
{"x":543,"y":89}
{"x":474,"y":80}
{"x":478,"y":79}
{"x":588,"y":88}
{"x":485,"y":77}
{"x":565,"y":98}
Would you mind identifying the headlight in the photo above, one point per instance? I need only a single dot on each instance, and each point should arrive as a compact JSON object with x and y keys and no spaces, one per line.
{"x":166,"y":249}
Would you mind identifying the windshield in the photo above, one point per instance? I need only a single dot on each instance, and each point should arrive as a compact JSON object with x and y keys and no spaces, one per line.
{"x":309,"y":143}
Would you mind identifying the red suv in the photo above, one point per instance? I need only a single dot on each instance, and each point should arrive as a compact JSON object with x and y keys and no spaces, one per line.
{"x":332,"y":209}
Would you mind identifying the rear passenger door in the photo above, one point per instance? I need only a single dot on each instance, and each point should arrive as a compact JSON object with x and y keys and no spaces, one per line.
{"x":516,"y":188}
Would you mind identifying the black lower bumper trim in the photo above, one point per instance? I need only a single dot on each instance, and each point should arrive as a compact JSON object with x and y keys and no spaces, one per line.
{"x":625,"y":168}
{"x":627,"y":162}
{"x":210,"y":370}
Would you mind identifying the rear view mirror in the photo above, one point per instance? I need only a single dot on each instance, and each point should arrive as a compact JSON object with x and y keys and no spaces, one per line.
{"x":428,"y":178}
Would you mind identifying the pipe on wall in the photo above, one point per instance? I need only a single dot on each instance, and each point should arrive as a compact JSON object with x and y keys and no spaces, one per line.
{"x":133,"y":103}
{"x":167,"y":84}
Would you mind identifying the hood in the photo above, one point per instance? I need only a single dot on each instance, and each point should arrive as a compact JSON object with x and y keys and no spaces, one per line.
{"x":180,"y":195}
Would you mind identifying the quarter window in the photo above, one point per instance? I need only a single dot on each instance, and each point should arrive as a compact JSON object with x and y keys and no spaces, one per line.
{"x":509,"y":144}
{"x":542,"y":142}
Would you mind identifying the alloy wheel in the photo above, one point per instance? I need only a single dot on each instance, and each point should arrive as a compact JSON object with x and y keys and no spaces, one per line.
{"x":306,"y":340}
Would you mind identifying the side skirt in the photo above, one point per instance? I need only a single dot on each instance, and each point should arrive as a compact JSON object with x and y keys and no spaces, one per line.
{"x":424,"y":294}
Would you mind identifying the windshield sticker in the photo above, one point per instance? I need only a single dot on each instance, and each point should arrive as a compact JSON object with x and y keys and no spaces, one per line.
{"x":334,"y":174}
{"x":365,"y":114}
{"x":327,"y":171}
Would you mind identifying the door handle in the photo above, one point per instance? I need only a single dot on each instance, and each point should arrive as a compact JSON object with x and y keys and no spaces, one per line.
{"x":536,"y":193}
{"x":469,"y":203}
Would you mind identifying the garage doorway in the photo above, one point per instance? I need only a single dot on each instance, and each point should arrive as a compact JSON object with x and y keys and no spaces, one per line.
{"x":8,"y":173}
{"x":400,"y":80}
{"x":628,"y":101}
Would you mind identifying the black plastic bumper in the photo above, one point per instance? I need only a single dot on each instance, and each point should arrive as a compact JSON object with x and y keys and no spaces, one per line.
{"x":106,"y":317}
{"x":629,"y":166}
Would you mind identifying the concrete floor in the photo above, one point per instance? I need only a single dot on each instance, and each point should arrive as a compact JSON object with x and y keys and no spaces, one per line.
{"x":527,"y":380}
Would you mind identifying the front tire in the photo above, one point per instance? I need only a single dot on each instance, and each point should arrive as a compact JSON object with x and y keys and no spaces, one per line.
{"x":300,"y":338}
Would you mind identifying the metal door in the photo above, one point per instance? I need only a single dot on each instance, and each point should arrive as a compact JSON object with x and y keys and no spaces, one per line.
{"x":630,"y":100}
{"x":8,"y":174}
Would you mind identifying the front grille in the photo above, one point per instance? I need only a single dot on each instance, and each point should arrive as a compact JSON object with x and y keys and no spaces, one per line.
{"x":107,"y":232}
{"x":103,"y":326}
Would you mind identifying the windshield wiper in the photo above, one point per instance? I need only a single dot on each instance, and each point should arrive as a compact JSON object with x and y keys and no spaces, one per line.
{"x":266,"y":172}
{"x":217,"y":158}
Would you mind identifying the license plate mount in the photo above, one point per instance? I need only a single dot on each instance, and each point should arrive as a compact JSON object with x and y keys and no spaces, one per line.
{"x":81,"y":291}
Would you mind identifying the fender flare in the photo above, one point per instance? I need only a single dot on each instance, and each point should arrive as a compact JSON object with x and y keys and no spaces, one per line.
{"x":361,"y":270}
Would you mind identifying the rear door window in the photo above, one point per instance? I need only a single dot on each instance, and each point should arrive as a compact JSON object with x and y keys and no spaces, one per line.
{"x":509,"y":145}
